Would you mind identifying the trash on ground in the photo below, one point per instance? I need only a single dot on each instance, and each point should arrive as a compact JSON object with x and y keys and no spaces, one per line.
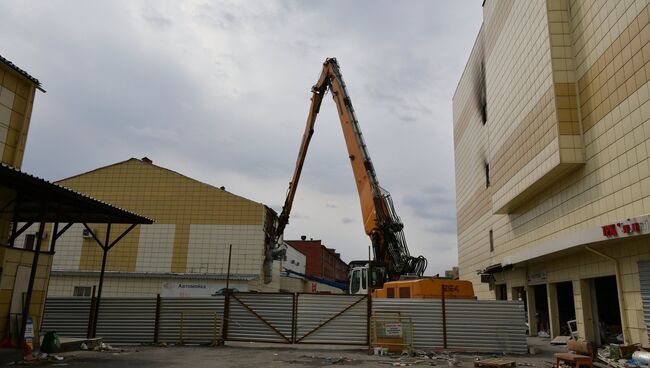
{"x":643,"y":357}
{"x":560,"y":340}
{"x":624,"y":356}
{"x":104,"y":347}
{"x":51,"y":343}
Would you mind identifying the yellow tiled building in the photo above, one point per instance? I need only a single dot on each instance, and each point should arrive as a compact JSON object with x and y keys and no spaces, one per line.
{"x":17,"y":91}
{"x":552,"y":143}
{"x":184,"y":253}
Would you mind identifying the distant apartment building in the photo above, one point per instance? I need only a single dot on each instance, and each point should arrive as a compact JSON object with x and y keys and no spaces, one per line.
{"x":322,"y":262}
{"x":552,"y":157}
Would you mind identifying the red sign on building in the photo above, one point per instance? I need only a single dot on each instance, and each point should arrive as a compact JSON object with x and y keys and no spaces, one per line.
{"x":626,"y":228}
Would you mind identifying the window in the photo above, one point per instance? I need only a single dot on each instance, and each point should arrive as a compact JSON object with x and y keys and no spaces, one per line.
{"x":491,"y":241}
{"x":487,"y":175}
{"x":378,"y":277}
{"x":82,"y":291}
{"x":29,"y":241}
{"x":390,"y":292}
{"x":356,"y":282}
{"x":405,"y":292}
{"x":364,"y":279}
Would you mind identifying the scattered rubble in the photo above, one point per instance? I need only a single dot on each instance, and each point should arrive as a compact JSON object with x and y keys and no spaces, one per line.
{"x":624,"y":356}
{"x":323,"y":360}
{"x":104,"y":347}
{"x":39,"y":358}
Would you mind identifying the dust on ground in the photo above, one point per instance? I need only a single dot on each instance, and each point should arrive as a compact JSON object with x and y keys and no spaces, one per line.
{"x":274,"y":355}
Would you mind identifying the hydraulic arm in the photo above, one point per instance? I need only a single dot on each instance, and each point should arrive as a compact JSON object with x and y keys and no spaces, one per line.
{"x":380,"y":221}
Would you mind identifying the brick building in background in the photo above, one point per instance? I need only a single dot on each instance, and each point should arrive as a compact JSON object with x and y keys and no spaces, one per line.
{"x":322,"y":262}
{"x":552,"y":156}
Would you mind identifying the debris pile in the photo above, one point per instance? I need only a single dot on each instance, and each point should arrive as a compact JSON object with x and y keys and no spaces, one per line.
{"x":323,"y":360}
{"x":624,"y":356}
{"x":432,"y":358}
{"x":38,"y":358}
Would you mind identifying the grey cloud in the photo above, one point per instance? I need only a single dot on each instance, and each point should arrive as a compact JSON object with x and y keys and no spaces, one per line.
{"x":158,"y":21}
{"x":446,"y":227}
{"x":300,"y":216}
{"x":437,"y":206}
{"x":347,"y":220}
{"x":224,"y":87}
{"x":216,"y":16}
{"x":432,"y":202}
{"x":439,"y":246}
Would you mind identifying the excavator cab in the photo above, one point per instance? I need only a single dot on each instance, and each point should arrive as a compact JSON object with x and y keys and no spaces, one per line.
{"x":360,"y":283}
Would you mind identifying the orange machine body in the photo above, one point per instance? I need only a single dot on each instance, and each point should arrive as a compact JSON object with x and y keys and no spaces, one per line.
{"x":426,"y":288}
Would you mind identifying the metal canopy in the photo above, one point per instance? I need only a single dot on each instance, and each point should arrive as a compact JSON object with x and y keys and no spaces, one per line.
{"x":36,"y":200}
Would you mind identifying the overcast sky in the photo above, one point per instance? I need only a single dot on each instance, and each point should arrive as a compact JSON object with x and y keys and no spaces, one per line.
{"x":219,"y":91}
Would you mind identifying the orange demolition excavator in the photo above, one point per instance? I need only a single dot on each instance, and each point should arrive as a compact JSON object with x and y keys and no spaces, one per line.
{"x":394,"y":273}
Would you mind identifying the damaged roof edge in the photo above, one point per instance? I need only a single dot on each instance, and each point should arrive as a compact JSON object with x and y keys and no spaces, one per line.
{"x":22,"y":72}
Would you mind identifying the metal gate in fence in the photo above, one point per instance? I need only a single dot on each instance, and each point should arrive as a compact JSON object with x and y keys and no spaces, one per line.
{"x":331,"y":319}
{"x":260,"y":317}
{"x":297,"y":318}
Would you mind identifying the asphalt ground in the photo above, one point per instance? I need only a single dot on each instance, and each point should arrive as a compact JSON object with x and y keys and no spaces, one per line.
{"x":276,"y":355}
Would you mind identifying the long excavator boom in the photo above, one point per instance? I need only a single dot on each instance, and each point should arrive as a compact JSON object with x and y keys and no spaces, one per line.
{"x":380,"y":221}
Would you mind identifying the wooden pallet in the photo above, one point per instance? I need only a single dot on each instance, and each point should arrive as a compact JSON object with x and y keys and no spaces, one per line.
{"x":495,"y":363}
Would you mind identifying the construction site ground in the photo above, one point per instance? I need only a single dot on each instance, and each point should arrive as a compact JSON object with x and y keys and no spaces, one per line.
{"x":275,"y":355}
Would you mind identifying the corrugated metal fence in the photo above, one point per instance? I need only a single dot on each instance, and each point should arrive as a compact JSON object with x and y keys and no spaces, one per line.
{"x":128,"y":320}
{"x":67,"y":316}
{"x":332,"y":319}
{"x":136,"y":320}
{"x":198,"y":319}
{"x":476,"y":325}
{"x":265,"y":317}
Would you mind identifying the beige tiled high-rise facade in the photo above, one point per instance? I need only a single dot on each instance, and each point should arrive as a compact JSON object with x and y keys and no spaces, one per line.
{"x":552,"y":154}
{"x":184,"y":251}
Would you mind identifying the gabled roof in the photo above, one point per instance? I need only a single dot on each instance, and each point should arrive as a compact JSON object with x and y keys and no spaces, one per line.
{"x":146,"y":161}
